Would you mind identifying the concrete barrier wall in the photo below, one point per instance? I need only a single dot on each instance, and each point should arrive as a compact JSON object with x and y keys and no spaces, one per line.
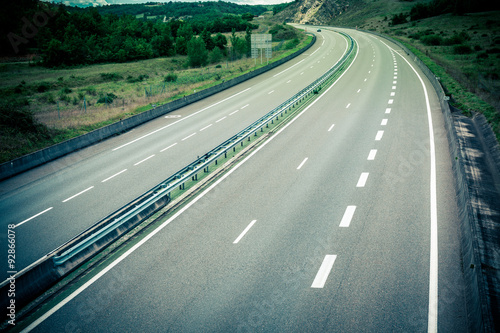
{"x":40,"y":157}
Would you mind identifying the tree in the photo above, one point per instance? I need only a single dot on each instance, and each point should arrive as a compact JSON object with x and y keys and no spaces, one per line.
{"x":207,"y":38}
{"x":197,"y":52}
{"x":220,"y":41}
{"x":181,"y":45}
{"x":216,"y":55}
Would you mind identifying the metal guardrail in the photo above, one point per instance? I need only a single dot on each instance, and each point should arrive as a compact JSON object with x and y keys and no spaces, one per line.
{"x":181,"y":176}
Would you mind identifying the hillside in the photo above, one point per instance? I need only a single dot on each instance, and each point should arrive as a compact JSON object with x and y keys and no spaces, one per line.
{"x":460,"y":39}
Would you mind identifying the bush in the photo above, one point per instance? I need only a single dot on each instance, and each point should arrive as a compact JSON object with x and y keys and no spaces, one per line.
{"x":291,"y":44}
{"x":43,"y":87}
{"x":107,"y":98}
{"x":432,"y":40}
{"x":111,"y":76}
{"x":462,"y":49}
{"x":171,"y":77}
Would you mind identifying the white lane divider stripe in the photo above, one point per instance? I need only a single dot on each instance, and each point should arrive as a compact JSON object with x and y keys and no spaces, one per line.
{"x":348,"y":105}
{"x":269,"y":93}
{"x":331,"y":127}
{"x":74,"y":196}
{"x":348,"y":214}
{"x":301,"y":164}
{"x":244,"y":232}
{"x":390,"y":101}
{"x":388,"y":110}
{"x":324,"y":271}
{"x":204,"y":128}
{"x":372,"y":154}
{"x":362,"y":179}
{"x":182,"y":119}
{"x":190,"y":135}
{"x":161,"y":151}
{"x":106,"y":269}
{"x":244,"y":106}
{"x":384,"y":122}
{"x":221,"y":119}
{"x":144,"y":160}
{"x":34,"y":216}
{"x":116,"y":174}
{"x":379,"y":135}
{"x":233,"y":112}
{"x":288,"y":68}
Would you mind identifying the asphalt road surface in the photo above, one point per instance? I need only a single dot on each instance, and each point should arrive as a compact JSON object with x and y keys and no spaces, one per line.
{"x":53,"y":203}
{"x":344,"y":221}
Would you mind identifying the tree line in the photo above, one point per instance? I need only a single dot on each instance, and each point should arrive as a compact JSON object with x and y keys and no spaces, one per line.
{"x":84,"y":36}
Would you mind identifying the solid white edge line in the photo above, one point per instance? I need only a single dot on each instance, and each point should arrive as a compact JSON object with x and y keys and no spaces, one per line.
{"x":116,"y":174}
{"x":144,"y":160}
{"x":324,"y":271}
{"x":302,"y":164}
{"x":348,"y":214}
{"x":182,"y":119}
{"x":244,"y":232}
{"x":177,"y":214}
{"x":74,"y":196}
{"x":31,"y":218}
{"x":432,"y":324}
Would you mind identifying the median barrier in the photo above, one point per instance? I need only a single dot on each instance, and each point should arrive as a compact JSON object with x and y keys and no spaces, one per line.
{"x":478,"y":239}
{"x":30,"y":161}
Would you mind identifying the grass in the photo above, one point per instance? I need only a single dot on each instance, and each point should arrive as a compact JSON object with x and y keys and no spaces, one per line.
{"x":74,"y":101}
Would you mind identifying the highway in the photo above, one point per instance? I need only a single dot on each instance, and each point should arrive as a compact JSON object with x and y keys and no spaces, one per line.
{"x":344,"y":221}
{"x":51,"y":204}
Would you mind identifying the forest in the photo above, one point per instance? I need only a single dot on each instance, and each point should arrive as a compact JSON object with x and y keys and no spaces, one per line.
{"x":67,"y":36}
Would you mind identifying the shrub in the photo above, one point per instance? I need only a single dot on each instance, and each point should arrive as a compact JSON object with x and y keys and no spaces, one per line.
{"x":432,"y":40}
{"x":106,"y":98}
{"x":111,"y":76}
{"x":462,"y":49}
{"x":171,"y":77}
{"x":43,"y":87}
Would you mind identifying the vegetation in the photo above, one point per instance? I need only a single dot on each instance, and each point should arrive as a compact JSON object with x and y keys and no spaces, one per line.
{"x":40,"y":106}
{"x":462,"y":49}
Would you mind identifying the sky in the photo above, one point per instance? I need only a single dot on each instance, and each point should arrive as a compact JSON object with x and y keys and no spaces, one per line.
{"x":104,"y":2}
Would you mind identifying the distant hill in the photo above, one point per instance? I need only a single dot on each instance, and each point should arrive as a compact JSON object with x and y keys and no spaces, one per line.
{"x":358,"y":12}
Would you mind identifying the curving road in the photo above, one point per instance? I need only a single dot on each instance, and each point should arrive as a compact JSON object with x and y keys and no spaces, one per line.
{"x":344,"y":221}
{"x":51,"y":204}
